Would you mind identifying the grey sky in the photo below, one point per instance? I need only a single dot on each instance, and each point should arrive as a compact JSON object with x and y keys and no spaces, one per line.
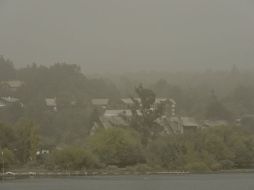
{"x":105,"y":35}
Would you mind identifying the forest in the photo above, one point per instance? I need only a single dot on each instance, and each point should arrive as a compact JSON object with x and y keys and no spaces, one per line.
{"x":57,"y":136}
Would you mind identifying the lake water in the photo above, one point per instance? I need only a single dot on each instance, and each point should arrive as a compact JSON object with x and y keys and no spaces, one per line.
{"x":184,"y":182}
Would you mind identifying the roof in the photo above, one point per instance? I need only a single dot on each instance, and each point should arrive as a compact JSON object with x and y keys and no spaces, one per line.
{"x":130,"y":100}
{"x":115,"y":121}
{"x":127,"y":100}
{"x":10,"y":99}
{"x":248,"y":116}
{"x":215,"y":123}
{"x":159,"y":100}
{"x":112,"y":113}
{"x":100,"y":101}
{"x":189,"y":122}
{"x":172,"y":101}
{"x":2,"y":104}
{"x":14,"y":83}
{"x":50,"y":102}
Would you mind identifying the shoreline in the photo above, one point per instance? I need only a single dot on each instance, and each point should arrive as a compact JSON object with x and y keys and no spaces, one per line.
{"x":22,"y":175}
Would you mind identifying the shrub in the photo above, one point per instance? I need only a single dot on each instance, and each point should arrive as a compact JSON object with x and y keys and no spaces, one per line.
{"x":117,"y":146}
{"x":72,"y":158}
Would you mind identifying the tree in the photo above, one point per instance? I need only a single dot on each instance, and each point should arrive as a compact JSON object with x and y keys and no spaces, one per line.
{"x":147,"y":97}
{"x":117,"y":146}
{"x":145,"y":122}
{"x":7,"y":158}
{"x":216,"y":110}
{"x":7,"y":136}
{"x":244,"y":96}
{"x":7,"y":71}
{"x":167,"y":152}
{"x":27,"y":141}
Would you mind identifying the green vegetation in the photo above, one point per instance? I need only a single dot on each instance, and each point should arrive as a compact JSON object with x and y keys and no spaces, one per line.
{"x":72,"y":158}
{"x":58,"y":137}
{"x":117,"y":146}
{"x":18,"y":143}
{"x":210,"y":149}
{"x":218,"y":148}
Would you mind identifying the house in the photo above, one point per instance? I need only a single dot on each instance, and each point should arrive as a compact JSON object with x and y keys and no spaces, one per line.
{"x":169,"y":106}
{"x":127,"y":101}
{"x":171,"y":125}
{"x":112,"y":118}
{"x":115,"y":121}
{"x":2,"y":104}
{"x":8,"y":101}
{"x":214,"y":123}
{"x":51,"y":103}
{"x":188,"y":124}
{"x":160,"y":100}
{"x":112,"y":113}
{"x":109,"y":122}
{"x":177,"y":125}
{"x":12,"y":85}
{"x":100,"y":102}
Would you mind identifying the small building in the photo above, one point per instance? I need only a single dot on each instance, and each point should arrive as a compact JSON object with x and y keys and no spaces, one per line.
{"x":112,"y":118}
{"x":100,"y":102}
{"x":51,"y":103}
{"x":188,"y":124}
{"x":127,"y":101}
{"x":8,"y":101}
{"x":171,"y":125}
{"x":12,"y":85}
{"x":160,"y":100}
{"x":130,"y":101}
{"x":214,"y":123}
{"x":2,"y":104}
{"x":116,"y":121}
{"x":113,"y":113}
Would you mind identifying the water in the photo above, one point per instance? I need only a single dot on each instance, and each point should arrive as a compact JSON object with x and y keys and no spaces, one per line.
{"x":186,"y":182}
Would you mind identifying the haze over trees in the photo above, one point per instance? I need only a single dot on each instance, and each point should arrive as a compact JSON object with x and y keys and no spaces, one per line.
{"x":30,"y":125}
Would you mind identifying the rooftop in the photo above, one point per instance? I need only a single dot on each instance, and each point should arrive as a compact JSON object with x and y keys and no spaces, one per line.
{"x":127,"y":100}
{"x":9,"y":99}
{"x":112,"y":113}
{"x":159,"y":100}
{"x":51,"y":102}
{"x":2,"y":104}
{"x":215,"y":123}
{"x":115,"y":121}
{"x":100,"y":101}
{"x":14,"y":83}
{"x":189,"y":122}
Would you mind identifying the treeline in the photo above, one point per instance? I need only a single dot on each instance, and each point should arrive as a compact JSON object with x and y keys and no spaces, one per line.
{"x":27,"y":131}
{"x":193,"y":91}
{"x":219,"y":148}
{"x":208,"y":95}
{"x":19,"y":143}
{"x":62,"y":81}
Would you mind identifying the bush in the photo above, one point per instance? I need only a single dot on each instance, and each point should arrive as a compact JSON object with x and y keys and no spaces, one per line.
{"x":117,"y":146}
{"x":227,"y":164}
{"x":8,"y":156}
{"x":197,"y":167}
{"x":72,"y":158}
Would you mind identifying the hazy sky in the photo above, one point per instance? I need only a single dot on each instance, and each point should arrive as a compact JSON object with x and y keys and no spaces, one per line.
{"x":110,"y":35}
